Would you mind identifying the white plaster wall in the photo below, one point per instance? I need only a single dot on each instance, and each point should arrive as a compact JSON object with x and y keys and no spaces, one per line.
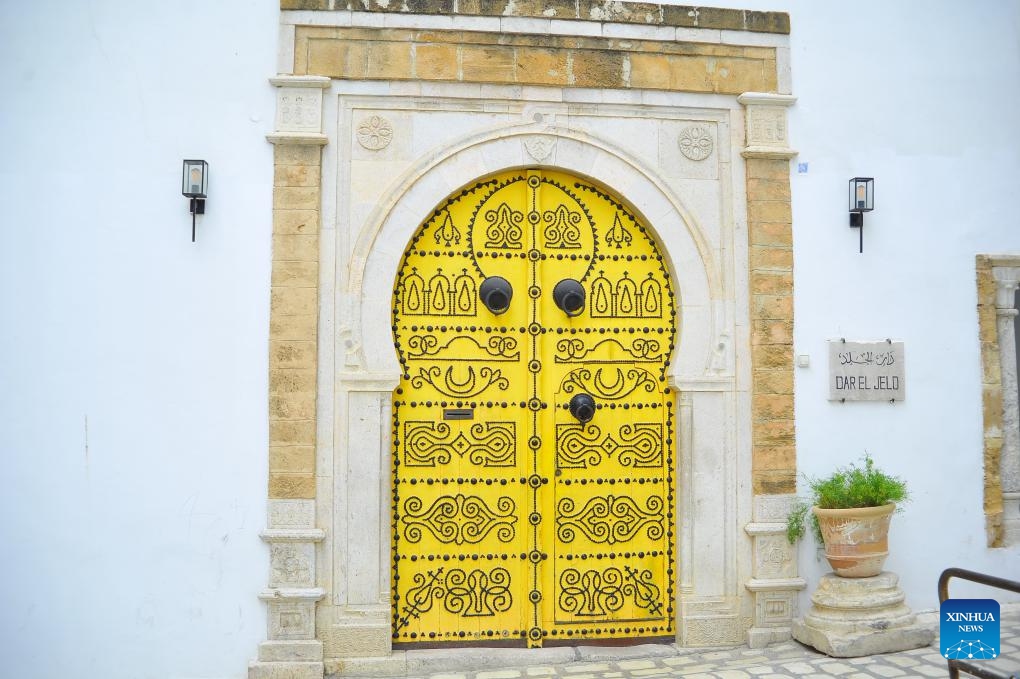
{"x":141,"y":557}
{"x":923,"y":96}
{"x":131,"y":547}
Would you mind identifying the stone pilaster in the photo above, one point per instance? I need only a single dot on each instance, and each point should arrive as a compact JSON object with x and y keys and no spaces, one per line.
{"x":775,"y":583}
{"x":292,"y":650}
{"x":770,"y":245}
{"x":1006,"y":280}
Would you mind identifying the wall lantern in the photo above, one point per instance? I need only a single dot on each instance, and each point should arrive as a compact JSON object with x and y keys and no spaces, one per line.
{"x":862,"y":199}
{"x":194,"y":184}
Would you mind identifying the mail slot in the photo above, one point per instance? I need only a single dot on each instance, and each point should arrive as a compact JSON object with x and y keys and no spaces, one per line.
{"x":459,"y":414}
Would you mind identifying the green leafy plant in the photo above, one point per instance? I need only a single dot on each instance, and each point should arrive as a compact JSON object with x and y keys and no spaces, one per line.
{"x":848,"y":487}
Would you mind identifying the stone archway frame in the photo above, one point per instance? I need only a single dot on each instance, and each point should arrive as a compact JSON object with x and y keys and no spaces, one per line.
{"x":364,"y":387}
{"x":425,"y":186}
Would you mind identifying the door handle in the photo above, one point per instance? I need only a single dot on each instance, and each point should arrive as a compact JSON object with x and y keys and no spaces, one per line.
{"x":582,"y":407}
{"x":569,"y":296}
{"x":496,"y":293}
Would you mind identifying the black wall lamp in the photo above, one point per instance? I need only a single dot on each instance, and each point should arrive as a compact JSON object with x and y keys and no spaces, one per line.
{"x":862,"y":199}
{"x":194,"y":184}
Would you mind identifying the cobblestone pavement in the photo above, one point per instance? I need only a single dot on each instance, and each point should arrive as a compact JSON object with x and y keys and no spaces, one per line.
{"x":787,"y":659}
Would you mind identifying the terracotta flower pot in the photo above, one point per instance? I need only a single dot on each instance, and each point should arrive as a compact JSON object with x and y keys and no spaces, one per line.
{"x":856,"y":540}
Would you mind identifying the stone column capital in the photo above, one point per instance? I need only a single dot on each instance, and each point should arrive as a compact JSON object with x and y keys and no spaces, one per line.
{"x":298,"y":109}
{"x":765,"y":120}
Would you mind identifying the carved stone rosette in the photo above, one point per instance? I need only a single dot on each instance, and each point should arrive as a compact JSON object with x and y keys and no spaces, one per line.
{"x":775,"y":583}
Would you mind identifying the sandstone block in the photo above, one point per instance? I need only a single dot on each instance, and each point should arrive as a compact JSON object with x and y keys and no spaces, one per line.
{"x":598,"y":68}
{"x":541,"y":66}
{"x":291,"y":432}
{"x":770,"y":233}
{"x":773,"y":381}
{"x":772,"y":433}
{"x":296,"y":198}
{"x":771,"y":331}
{"x":291,"y":354}
{"x":772,"y":356}
{"x":296,"y":175}
{"x":296,"y":154}
{"x":284,"y":485}
{"x":488,"y":64}
{"x":292,"y":459}
{"x":767,"y":168}
{"x":436,"y":62}
{"x":772,"y":307}
{"x":293,"y":301}
{"x":773,"y":482}
{"x":295,"y":406}
{"x":288,"y":274}
{"x":772,"y":406}
{"x":649,"y":71}
{"x":296,"y":247}
{"x":771,"y":283}
{"x":293,"y":327}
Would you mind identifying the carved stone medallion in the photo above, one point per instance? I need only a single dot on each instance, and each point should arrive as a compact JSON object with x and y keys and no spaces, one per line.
{"x":375,"y":133}
{"x":695,"y":142}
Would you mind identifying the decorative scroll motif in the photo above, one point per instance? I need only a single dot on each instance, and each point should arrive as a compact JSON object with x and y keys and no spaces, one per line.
{"x":610,"y":519}
{"x":638,"y":445}
{"x":463,"y":348}
{"x":440,"y":297}
{"x":596,"y":593}
{"x":375,"y":133}
{"x":448,"y":384}
{"x":695,"y":142}
{"x":503,"y":228}
{"x":487,"y":444}
{"x":459,"y":519}
{"x":609,"y":383}
{"x":575,"y":350}
{"x":418,"y":599}
{"x":591,"y":593}
{"x":625,"y":299}
{"x":469,"y":594}
{"x":561,"y":228}
{"x":447,"y":234}
{"x":478,"y":593}
{"x":641,"y":585}
{"x":618,"y":235}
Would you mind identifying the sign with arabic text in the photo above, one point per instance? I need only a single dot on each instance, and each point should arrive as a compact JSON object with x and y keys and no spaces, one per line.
{"x":866,"y":371}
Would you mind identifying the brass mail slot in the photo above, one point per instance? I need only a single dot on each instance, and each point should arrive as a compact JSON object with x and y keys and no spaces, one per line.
{"x":459,"y":414}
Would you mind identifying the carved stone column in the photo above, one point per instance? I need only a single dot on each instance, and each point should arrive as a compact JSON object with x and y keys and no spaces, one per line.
{"x":775,"y":583}
{"x":1006,"y":280}
{"x":292,"y":650}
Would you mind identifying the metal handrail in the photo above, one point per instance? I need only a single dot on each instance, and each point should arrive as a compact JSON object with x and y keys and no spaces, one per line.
{"x":955,"y":666}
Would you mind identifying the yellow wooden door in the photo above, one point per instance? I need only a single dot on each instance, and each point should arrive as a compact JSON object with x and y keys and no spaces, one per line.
{"x":533,"y":446}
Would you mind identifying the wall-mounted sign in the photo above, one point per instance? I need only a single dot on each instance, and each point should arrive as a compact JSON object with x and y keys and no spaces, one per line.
{"x":866,"y":371}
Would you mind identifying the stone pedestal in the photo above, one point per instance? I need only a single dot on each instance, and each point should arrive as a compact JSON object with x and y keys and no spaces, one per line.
{"x":851,"y":617}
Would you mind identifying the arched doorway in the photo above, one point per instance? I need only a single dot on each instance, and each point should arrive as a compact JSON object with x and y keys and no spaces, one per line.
{"x":533,"y":457}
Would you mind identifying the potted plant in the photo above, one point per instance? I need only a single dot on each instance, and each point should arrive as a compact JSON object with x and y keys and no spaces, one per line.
{"x":850,"y":513}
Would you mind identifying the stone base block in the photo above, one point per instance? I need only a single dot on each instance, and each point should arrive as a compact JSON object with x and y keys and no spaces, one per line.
{"x":760,"y":637}
{"x":290,"y":651}
{"x":285,"y":670}
{"x":355,"y":638}
{"x":851,"y":617}
{"x":394,"y":665}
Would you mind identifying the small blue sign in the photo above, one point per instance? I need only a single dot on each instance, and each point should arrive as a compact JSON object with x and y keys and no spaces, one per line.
{"x":969,"y":629}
